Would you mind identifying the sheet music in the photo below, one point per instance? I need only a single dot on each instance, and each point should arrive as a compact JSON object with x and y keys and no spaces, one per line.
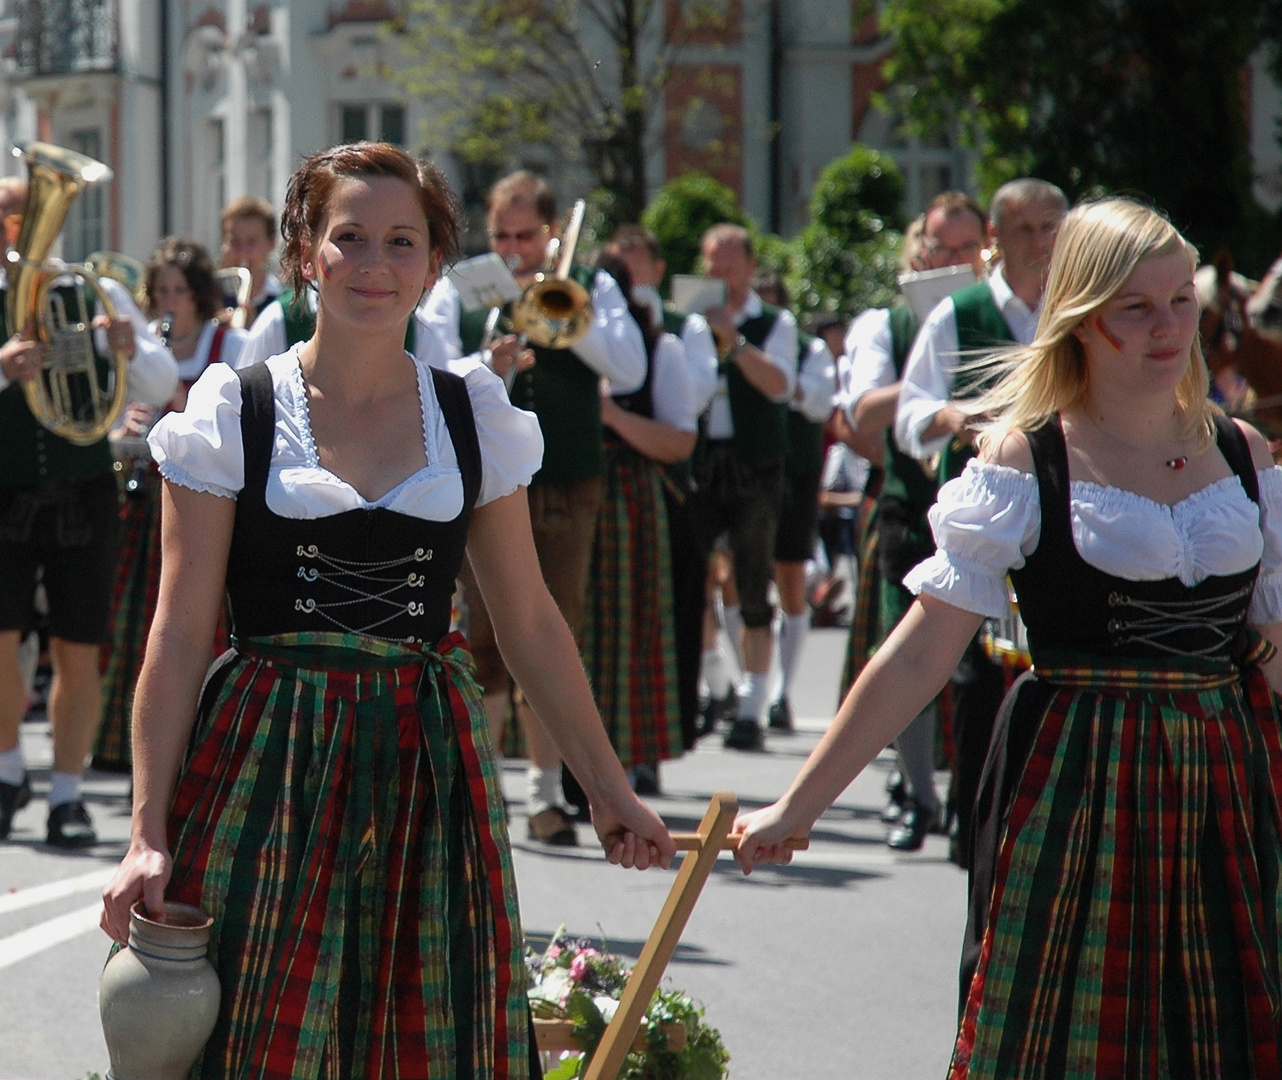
{"x":926,"y":288}
{"x":484,"y":281}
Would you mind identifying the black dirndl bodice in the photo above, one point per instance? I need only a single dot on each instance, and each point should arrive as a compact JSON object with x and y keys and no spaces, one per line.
{"x":1072,"y":607}
{"x":371,"y":572}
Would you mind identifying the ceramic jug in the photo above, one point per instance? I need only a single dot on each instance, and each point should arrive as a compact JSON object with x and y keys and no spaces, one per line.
{"x":159,"y":996}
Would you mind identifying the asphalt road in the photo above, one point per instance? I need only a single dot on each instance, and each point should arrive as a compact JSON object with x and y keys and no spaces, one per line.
{"x":841,"y":965}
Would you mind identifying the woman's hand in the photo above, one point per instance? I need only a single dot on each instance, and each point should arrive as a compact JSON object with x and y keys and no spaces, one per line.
{"x":762,"y":837}
{"x":508,"y":352}
{"x":631,"y":833}
{"x":142,"y":874}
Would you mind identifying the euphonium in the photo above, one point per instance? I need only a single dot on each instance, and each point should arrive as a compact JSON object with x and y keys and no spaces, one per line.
{"x":68,"y":396}
{"x":555,"y":310}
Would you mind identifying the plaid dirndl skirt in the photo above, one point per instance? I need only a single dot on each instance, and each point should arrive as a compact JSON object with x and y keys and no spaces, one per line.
{"x":629,"y":628}
{"x":1133,"y":926}
{"x":340,"y":817}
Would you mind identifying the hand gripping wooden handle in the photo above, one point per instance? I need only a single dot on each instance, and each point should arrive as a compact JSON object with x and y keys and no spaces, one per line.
{"x":693,"y":842}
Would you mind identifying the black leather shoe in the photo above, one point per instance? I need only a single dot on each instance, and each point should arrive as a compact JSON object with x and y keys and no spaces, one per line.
{"x":910,"y":831}
{"x":553,"y":827}
{"x":897,"y":798}
{"x":13,"y":797}
{"x":715,"y":710}
{"x":744,"y":734}
{"x":70,"y":826}
{"x":644,"y":778}
{"x":781,"y":715}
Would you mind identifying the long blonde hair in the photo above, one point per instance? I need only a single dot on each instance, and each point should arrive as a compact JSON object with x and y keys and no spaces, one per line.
{"x":1099,"y":244}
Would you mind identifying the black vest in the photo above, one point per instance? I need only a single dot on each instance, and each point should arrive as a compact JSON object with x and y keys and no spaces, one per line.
{"x":1069,"y":605}
{"x":372,"y":572}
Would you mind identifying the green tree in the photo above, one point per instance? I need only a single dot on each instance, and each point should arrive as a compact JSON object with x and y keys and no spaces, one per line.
{"x":846,"y":259}
{"x":683,"y":210}
{"x":1139,"y":96}
{"x":578,"y":79}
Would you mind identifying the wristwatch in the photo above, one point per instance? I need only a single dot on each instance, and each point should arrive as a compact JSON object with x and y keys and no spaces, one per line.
{"x":739,"y":342}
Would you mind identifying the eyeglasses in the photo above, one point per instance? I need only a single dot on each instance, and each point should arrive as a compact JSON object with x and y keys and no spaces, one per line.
{"x":967,"y":251}
{"x":522,"y":237}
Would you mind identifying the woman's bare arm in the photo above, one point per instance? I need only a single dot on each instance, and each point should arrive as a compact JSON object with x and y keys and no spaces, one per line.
{"x":196,"y":538}
{"x":540,"y":652}
{"x":899,"y":681}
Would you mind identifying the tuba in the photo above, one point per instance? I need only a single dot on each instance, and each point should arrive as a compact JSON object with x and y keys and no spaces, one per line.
{"x":555,"y":310}
{"x":68,"y":396}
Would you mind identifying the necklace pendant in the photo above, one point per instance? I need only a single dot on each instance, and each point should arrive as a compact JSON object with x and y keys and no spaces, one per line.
{"x":1177,"y":463}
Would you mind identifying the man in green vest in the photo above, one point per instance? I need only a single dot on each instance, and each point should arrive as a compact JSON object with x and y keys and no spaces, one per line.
{"x":58,"y":522}
{"x":562,"y":388}
{"x":877,"y":346}
{"x":739,"y":462}
{"x":1024,"y":218}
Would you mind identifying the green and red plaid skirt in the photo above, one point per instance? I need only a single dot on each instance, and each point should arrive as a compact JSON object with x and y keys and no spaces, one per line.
{"x":629,"y":627}
{"x":340,"y":817}
{"x":1133,"y":929}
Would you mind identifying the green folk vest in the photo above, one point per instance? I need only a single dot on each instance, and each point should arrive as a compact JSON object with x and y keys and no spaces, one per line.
{"x":562,"y":391}
{"x":904,"y":476}
{"x":760,"y":425}
{"x":31,"y":454}
{"x":980,"y":329}
{"x":805,"y":455}
{"x":300,"y":322}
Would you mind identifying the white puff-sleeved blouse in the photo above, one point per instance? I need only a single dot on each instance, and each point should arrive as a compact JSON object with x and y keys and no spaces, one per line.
{"x":988,"y":520}
{"x":200,"y":447}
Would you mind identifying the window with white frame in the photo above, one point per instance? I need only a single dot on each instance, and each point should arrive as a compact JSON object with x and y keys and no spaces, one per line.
{"x":377,"y":122}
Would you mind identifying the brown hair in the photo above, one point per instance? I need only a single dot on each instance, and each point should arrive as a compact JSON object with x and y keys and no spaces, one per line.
{"x":308,"y":194}
{"x":956,"y":202}
{"x":632,"y":238}
{"x":250,"y":206}
{"x":197,"y":268}
{"x":523,"y":188}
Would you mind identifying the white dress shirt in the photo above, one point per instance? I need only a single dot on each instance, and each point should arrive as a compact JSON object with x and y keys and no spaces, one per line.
{"x":869,"y":360}
{"x":930,"y":373}
{"x":612,"y":347}
{"x":780,"y":348}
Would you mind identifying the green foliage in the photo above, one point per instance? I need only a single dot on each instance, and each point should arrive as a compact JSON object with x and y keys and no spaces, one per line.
{"x":864,"y":185}
{"x":1137,"y":96}
{"x":683,"y":210}
{"x":511,"y":80}
{"x":831,"y":276}
{"x":576,"y":981}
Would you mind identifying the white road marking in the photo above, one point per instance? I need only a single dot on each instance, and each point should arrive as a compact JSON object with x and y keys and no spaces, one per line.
{"x":54,"y":890}
{"x":45,"y":935}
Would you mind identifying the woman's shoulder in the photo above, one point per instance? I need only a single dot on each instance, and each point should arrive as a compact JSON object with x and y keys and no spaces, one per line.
{"x":1010,"y":450}
{"x":1261,"y":456}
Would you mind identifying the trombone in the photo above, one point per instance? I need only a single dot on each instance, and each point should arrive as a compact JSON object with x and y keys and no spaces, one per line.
{"x":237,"y":285}
{"x":555,"y":311}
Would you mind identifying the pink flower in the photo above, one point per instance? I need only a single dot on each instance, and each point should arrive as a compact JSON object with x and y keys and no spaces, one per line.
{"x":579,"y":966}
{"x":554,"y":951}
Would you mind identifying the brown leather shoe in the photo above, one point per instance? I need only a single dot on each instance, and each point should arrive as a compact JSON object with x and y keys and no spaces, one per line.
{"x":553,"y":827}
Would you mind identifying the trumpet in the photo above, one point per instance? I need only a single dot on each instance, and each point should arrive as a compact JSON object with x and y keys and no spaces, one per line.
{"x":555,"y":311}
{"x":68,"y":397}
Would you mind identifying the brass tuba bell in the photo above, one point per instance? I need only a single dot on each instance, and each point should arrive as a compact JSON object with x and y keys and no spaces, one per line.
{"x":71,"y":396}
{"x":555,"y":311}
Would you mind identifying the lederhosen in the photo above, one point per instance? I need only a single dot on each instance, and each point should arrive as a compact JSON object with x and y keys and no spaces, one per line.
{"x":339,"y":812}
{"x":802,"y":473}
{"x":1128,"y":869}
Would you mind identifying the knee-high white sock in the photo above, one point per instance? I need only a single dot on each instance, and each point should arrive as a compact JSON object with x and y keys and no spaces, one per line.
{"x":12,"y":768}
{"x":734,"y":631}
{"x":63,"y":788}
{"x":543,"y":789}
{"x":752,"y":695}
{"x":791,"y":636}
{"x":715,"y":667}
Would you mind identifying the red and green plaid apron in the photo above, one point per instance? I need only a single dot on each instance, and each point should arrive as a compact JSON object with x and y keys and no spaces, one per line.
{"x":340,"y":818}
{"x":1134,"y":924}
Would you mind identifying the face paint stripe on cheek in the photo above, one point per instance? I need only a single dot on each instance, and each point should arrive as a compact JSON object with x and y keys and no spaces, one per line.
{"x":325,"y":268}
{"x":1099,"y":325}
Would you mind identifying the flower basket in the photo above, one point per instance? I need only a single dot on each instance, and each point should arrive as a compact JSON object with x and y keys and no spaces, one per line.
{"x":574,"y":994}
